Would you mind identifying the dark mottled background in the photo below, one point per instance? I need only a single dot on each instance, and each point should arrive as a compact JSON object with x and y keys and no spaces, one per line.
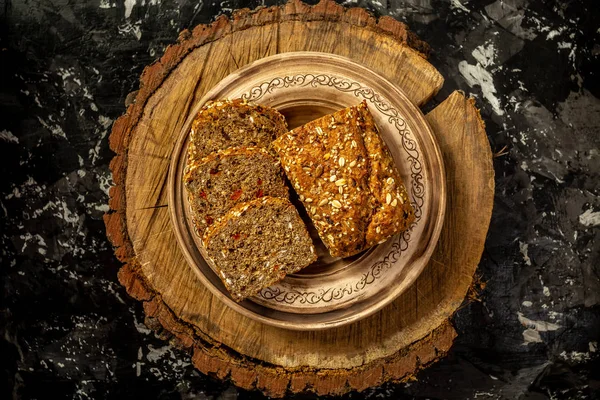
{"x":68,"y":330}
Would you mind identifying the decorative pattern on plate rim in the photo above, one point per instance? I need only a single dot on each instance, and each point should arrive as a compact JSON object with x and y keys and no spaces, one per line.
{"x":409,"y":145}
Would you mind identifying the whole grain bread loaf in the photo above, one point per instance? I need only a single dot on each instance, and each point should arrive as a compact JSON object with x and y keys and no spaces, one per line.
{"x":257,"y":243}
{"x":233,"y":123}
{"x":225,"y":178}
{"x":346,"y":178}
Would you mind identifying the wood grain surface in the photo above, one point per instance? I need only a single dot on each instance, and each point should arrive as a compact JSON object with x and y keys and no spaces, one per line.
{"x":410,"y":333}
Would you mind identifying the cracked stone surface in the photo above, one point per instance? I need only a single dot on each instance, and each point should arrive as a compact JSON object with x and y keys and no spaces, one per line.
{"x":68,"y":330}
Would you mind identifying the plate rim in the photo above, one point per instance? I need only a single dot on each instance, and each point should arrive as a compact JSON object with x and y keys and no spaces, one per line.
{"x":343,"y":320}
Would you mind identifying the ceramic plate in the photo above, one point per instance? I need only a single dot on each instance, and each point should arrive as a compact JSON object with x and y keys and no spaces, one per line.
{"x":331,"y":292}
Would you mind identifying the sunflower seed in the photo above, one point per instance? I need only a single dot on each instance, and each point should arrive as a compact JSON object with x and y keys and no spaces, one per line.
{"x":388,"y":198}
{"x":336,"y":204}
{"x":318,"y":171}
{"x":342,"y":161}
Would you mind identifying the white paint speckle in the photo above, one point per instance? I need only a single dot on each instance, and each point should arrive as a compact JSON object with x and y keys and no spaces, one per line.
{"x":102,"y":207}
{"x":56,"y":130}
{"x":155,"y":354}
{"x":104,"y":181}
{"x":65,"y":73}
{"x":140,"y":327}
{"x":63,"y":212}
{"x":546,"y":291}
{"x":131,"y":28}
{"x":88,"y":95}
{"x":129,"y":7}
{"x":105,"y":121}
{"x":554,"y":315}
{"x":564,"y":45}
{"x":28,"y":237}
{"x":107,"y":4}
{"x":570,"y":281}
{"x":8,"y":136}
{"x":457,"y":5}
{"x":109,"y":287}
{"x":575,"y":356}
{"x":523,"y":247}
{"x":138,"y":365}
{"x":540,"y":326}
{"x":522,"y":86}
{"x":555,"y":32}
{"x":479,"y":394}
{"x":590,"y":218}
{"x":485,"y":54}
{"x":593,"y":346}
{"x":477,"y":75}
{"x":531,"y":334}
{"x":527,"y":303}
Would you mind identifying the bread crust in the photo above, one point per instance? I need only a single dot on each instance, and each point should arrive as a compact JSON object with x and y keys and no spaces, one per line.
{"x":233,"y":123}
{"x":347,"y":180}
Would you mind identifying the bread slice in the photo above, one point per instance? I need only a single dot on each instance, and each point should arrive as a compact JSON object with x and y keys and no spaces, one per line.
{"x":346,"y":178}
{"x":257,"y":243}
{"x":233,"y":123}
{"x":223,"y":179}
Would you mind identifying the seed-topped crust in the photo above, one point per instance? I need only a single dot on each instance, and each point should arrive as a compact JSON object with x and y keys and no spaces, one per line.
{"x":257,"y":243}
{"x":223,"y":179}
{"x":346,"y":178}
{"x":232,"y":123}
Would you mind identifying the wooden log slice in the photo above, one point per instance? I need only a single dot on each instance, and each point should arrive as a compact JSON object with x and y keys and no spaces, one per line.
{"x":393,"y":344}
